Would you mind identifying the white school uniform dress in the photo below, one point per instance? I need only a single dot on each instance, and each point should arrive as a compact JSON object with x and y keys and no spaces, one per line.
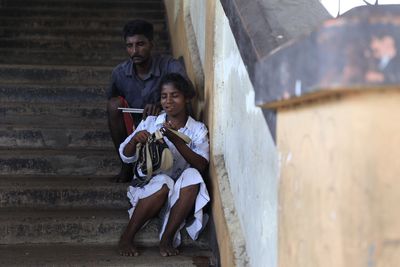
{"x":179,"y":176}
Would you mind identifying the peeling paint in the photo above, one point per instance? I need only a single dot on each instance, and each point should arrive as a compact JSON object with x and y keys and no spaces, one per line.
{"x":371,"y":255}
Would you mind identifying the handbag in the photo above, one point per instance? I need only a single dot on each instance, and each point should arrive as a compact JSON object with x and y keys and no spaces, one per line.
{"x":153,"y":157}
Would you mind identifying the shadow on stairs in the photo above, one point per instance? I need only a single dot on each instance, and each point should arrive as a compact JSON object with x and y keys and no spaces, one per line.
{"x":57,"y":206}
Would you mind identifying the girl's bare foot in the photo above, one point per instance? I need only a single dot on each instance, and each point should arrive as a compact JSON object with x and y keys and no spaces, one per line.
{"x":126,"y":248}
{"x":167,"y":249}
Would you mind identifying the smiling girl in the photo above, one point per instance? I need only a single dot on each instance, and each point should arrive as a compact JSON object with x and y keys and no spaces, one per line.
{"x":179,"y":194}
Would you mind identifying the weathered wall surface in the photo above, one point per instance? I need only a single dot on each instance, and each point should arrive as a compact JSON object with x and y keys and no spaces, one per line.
{"x":242,"y":136}
{"x":339,"y":156}
{"x":244,"y":166}
{"x":339,"y":190}
{"x":290,"y":19}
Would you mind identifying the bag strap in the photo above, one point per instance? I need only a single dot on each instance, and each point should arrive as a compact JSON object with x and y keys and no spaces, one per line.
{"x":141,"y":181}
{"x":158,"y":135}
{"x":183,"y":136}
{"x":149,"y":163}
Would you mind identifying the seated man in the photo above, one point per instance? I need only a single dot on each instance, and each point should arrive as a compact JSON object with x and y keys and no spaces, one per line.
{"x":134,"y":84}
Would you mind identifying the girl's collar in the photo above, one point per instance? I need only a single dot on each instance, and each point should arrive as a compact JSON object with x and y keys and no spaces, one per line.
{"x":162,"y":118}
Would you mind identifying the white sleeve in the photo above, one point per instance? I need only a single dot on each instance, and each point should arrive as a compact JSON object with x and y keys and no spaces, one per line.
{"x":125,"y":159}
{"x":200,"y":144}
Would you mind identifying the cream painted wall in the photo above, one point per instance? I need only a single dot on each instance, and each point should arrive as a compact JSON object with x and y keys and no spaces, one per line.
{"x":198,"y":18}
{"x":241,"y":135}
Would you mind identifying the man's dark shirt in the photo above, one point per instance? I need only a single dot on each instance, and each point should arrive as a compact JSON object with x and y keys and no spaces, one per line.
{"x":138,"y":92}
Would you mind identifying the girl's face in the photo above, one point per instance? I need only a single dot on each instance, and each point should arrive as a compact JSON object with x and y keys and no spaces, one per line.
{"x":172,"y":100}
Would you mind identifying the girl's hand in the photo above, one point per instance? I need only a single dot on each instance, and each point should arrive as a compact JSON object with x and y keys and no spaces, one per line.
{"x":195,"y":160}
{"x":140,"y":137}
{"x":170,"y":135}
{"x":170,"y":125}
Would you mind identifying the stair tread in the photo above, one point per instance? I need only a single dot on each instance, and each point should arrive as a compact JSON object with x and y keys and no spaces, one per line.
{"x":61,"y":67}
{"x":85,"y":225}
{"x":54,"y":183}
{"x":57,"y":151}
{"x":114,"y":30}
{"x":41,"y":192}
{"x":6,"y":84}
{"x":54,"y":126}
{"x":62,"y":215}
{"x":51,"y":121}
{"x":57,"y":18}
{"x":60,"y":181}
{"x":97,"y":91}
{"x":92,"y":1}
{"x":97,"y":255}
{"x":90,"y":8}
{"x":77,"y":8}
{"x":95,"y":104}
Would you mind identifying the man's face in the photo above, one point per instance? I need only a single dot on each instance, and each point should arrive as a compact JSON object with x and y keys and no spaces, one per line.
{"x":138,"y":48}
{"x":383,"y":47}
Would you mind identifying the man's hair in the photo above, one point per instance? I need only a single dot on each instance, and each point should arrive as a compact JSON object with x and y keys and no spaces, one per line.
{"x":138,"y":26}
{"x":180,"y":83}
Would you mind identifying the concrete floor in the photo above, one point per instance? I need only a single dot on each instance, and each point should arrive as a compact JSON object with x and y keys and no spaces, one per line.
{"x":96,"y":255}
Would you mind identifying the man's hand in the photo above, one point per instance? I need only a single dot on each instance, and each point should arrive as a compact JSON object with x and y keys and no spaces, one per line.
{"x":151,"y":110}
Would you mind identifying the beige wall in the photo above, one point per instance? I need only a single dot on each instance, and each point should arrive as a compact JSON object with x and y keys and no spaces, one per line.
{"x":338,"y":161}
{"x":339,"y":190}
{"x":244,"y":161}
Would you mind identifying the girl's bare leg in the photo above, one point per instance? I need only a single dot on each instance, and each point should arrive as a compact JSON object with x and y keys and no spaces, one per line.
{"x":146,"y":209}
{"x":179,"y":212}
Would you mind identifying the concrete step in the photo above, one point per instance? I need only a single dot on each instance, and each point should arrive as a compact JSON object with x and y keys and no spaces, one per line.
{"x":18,"y":226}
{"x":48,"y":74}
{"x":51,"y":93}
{"x":66,"y":56}
{"x":101,"y":4}
{"x":67,"y":33}
{"x":83,"y":22}
{"x":63,"y":255}
{"x":62,"y":192}
{"x":64,"y":51}
{"x":88,"y":1}
{"x":101,"y":162}
{"x":55,"y":136}
{"x":61,"y":57}
{"x":70,"y":43}
{"x":79,"y":120}
{"x":44,"y":105}
{"x":61,"y":226}
{"x":72,"y":13}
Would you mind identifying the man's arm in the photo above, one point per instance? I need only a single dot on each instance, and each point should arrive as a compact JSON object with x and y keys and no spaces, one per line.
{"x":112,"y":90}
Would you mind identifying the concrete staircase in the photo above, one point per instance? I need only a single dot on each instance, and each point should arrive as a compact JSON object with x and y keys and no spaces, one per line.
{"x":57,"y":206}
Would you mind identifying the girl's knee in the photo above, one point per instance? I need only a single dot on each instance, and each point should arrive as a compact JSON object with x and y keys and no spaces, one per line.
{"x":161,"y":194}
{"x":164,"y":189}
{"x":191,"y":176}
{"x":191,"y":172}
{"x":191,"y":189}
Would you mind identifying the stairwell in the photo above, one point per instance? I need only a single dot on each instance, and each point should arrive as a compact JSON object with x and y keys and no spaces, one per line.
{"x":57,"y":206}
